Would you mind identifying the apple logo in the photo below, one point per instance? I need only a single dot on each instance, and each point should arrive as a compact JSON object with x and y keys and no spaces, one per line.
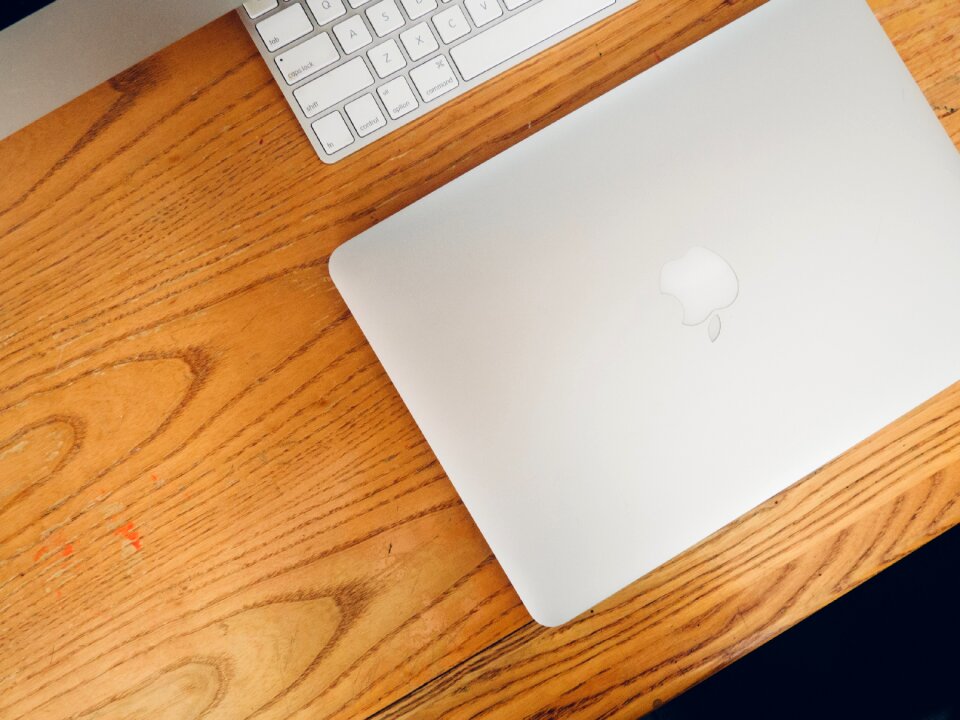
{"x":703,"y":283}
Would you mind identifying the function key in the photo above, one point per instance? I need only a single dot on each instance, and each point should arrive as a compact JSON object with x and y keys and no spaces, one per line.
{"x":332,"y":132}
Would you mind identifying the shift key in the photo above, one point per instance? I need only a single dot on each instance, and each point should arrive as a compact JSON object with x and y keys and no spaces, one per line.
{"x":334,"y":86}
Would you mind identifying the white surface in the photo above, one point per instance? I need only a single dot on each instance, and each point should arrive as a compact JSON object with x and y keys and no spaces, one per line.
{"x":284,"y":27}
{"x":418,"y":41}
{"x":352,"y":34}
{"x":523,"y":31}
{"x":68,"y":47}
{"x":385,"y":17}
{"x":256,"y":8}
{"x":451,"y":24}
{"x":329,"y":89}
{"x":326,"y":10}
{"x":483,"y":11}
{"x":397,"y":97}
{"x":434,"y":78}
{"x":590,"y":433}
{"x":332,"y":131}
{"x":307,"y":58}
{"x":418,"y":8}
{"x":386,"y":58}
{"x":365,"y":115}
{"x":702,"y":282}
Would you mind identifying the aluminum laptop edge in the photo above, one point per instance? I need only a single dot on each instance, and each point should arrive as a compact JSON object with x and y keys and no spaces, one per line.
{"x":635,"y":326}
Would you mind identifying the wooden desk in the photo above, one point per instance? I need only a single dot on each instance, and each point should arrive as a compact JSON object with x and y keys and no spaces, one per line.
{"x":214,"y":505}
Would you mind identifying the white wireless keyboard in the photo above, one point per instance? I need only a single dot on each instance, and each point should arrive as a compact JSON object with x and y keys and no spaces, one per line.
{"x":353,"y":70}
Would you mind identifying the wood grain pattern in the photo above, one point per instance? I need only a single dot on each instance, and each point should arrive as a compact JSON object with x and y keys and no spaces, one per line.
{"x":212,"y":502}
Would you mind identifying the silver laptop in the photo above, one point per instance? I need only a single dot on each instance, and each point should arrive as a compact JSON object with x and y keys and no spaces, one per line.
{"x":635,"y":326}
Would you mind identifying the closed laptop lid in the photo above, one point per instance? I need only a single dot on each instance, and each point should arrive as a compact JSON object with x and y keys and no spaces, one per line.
{"x":628,"y":330}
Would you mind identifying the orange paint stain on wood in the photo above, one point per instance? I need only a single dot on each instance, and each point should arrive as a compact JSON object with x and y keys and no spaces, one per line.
{"x":67,"y":550}
{"x":130,"y":533}
{"x":39,"y":553}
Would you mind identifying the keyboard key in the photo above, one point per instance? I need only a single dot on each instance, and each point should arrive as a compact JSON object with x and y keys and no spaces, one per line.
{"x":386,"y":58}
{"x":308,"y":57}
{"x":357,"y":69}
{"x":284,"y":27}
{"x":256,"y":8}
{"x":365,"y":115}
{"x":434,"y":78}
{"x":352,"y":34}
{"x":418,"y":41}
{"x":451,"y":24}
{"x":326,"y":10}
{"x":397,"y":97}
{"x":332,"y":132}
{"x":416,"y":8}
{"x":483,"y":11}
{"x":336,"y":85}
{"x":520,"y":32}
{"x":385,"y":17}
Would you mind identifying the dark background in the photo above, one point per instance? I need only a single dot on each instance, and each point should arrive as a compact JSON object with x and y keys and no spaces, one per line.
{"x":13,"y":10}
{"x":888,"y":649}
